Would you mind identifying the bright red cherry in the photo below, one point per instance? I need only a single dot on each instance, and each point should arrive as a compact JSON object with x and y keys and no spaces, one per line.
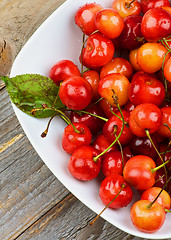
{"x":82,"y":165}
{"x":85,"y":16}
{"x":148,"y":4}
{"x":75,"y":93}
{"x":63,"y":70}
{"x":110,"y":187}
{"x":156,"y":24}
{"x":98,"y":51}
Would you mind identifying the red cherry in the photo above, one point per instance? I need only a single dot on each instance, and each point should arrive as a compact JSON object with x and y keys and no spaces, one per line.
{"x":163,"y":199}
{"x":99,"y":50}
{"x":101,"y":144}
{"x":75,"y":137}
{"x":166,"y":119}
{"x":114,"y":125}
{"x":145,"y":116}
{"x":81,"y":164}
{"x":110,"y":187}
{"x":75,"y":93}
{"x":148,"y":4}
{"x":131,"y":36}
{"x":138,"y":172}
{"x":152,"y":88}
{"x":85,"y":16}
{"x":112,"y":163}
{"x":156,"y":24}
{"x":93,"y":123}
{"x":63,"y":70}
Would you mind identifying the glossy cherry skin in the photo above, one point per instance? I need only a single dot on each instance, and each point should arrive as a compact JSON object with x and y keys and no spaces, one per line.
{"x":163,"y":199}
{"x":114,"y":83}
{"x":93,"y":78}
{"x":101,"y":144}
{"x":153,"y":90}
{"x":71,"y":139}
{"x":131,"y":36}
{"x":112,"y":163}
{"x":109,"y":23}
{"x":133,"y":59}
{"x":110,"y":187}
{"x":93,"y":123}
{"x":166,"y":119}
{"x":148,"y":220}
{"x":156,"y":24}
{"x":150,"y":57}
{"x":107,"y":108}
{"x":127,"y":7}
{"x":62,"y":70}
{"x":143,"y":146}
{"x":85,"y":16}
{"x":98,"y":51}
{"x":148,"y":4}
{"x":117,"y":65}
{"x":115,"y":124}
{"x":129,"y":106}
{"x":167,"y":69}
{"x":145,"y":116}
{"x":137,"y":172}
{"x":75,"y":93}
{"x":81,"y":164}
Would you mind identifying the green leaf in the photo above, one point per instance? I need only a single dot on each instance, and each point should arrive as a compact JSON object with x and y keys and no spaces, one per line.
{"x":34,"y":94}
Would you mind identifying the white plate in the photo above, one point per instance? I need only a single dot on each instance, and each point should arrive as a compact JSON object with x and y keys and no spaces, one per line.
{"x":59,"y":38}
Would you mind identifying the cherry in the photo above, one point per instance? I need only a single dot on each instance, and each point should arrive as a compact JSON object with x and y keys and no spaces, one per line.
{"x":127,"y":7}
{"x":163,"y":199}
{"x":138,"y":172}
{"x":113,"y":163}
{"x":129,"y":106}
{"x":133,"y":59}
{"x":82,"y":165}
{"x":85,"y":16}
{"x":143,"y":146}
{"x":107,"y":108}
{"x":113,"y":127}
{"x":152,"y":88}
{"x":148,"y":4}
{"x":156,"y":24}
{"x":98,"y":51}
{"x":75,"y":136}
{"x":145,"y":116}
{"x":75,"y":93}
{"x":62,"y":70}
{"x":93,"y":78}
{"x":92,"y":122}
{"x":167,"y":69}
{"x":101,"y":144}
{"x":131,"y":36}
{"x":150,"y":57}
{"x":117,"y":65}
{"x":109,"y":189}
{"x":147,"y":219}
{"x":109,"y":23}
{"x":165,"y":128}
{"x":114,"y":84}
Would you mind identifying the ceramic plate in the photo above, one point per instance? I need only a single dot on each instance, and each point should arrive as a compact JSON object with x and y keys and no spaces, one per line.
{"x":56,"y":39}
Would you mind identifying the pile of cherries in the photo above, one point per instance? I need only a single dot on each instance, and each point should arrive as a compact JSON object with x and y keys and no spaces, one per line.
{"x":118,"y":109}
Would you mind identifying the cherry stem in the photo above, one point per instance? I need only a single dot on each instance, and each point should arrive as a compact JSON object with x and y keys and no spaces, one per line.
{"x":128,"y":5}
{"x":150,"y":204}
{"x":120,"y":146}
{"x":158,"y":167}
{"x":149,"y":137}
{"x":122,"y":187}
{"x":43,"y":135}
{"x":167,"y":210}
{"x":94,"y":115}
{"x":116,"y":139}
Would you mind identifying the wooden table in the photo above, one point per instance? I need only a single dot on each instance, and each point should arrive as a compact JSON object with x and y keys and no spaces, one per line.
{"x":33,"y":203}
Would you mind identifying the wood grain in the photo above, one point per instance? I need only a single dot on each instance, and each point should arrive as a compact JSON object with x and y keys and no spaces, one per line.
{"x":33,"y":203}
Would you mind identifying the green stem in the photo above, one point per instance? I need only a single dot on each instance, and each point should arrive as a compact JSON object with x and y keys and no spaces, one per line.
{"x":158,"y":167}
{"x":116,"y":139}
